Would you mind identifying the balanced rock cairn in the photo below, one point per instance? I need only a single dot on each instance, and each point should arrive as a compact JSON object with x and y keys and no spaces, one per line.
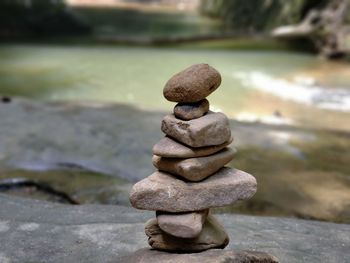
{"x":191,"y":177}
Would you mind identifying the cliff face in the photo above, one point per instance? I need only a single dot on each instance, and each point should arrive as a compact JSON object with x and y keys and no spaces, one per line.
{"x":326,"y":22}
{"x":258,"y":15}
{"x":37,"y":18}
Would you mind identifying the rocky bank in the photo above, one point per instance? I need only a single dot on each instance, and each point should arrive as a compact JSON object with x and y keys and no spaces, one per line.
{"x":38,"y":231}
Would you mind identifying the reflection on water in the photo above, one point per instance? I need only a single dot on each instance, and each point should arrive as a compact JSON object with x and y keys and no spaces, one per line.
{"x":137,"y":75}
{"x":301,"y":90}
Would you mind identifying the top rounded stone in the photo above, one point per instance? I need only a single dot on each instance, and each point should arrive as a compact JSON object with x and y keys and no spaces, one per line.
{"x":192,"y":84}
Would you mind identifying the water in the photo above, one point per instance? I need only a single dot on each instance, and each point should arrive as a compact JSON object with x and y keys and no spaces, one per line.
{"x":136,"y":76}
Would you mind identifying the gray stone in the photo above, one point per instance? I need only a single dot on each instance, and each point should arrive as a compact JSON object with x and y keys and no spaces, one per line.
{"x":37,"y":231}
{"x":211,"y":129}
{"x":192,"y":84}
{"x":209,"y":256}
{"x":162,"y":191}
{"x":167,"y":147}
{"x":194,"y":169}
{"x":213,"y":235}
{"x":184,"y":225}
{"x":190,"y":111}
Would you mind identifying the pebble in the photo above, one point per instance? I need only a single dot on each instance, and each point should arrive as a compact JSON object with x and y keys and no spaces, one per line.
{"x":213,"y":235}
{"x":211,"y":129}
{"x":184,"y":225}
{"x":168,"y":147}
{"x":192,"y":84}
{"x":194,"y":169}
{"x":164,"y":192}
{"x":190,"y":111}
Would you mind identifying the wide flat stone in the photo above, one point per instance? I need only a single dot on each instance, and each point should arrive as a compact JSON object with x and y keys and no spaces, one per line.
{"x":213,"y":235}
{"x":38,"y":231}
{"x":165,"y":192}
{"x":192,"y":84}
{"x":211,"y":129}
{"x":184,"y":225}
{"x":190,"y":111}
{"x":210,"y":256}
{"x":194,"y":169}
{"x":168,"y":147}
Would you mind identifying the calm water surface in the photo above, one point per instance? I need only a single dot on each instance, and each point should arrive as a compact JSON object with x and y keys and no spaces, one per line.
{"x":254,"y":82}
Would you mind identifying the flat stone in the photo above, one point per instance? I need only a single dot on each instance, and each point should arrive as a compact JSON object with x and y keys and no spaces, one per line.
{"x":213,"y":235}
{"x":168,"y":147}
{"x":183,"y":225}
{"x":190,"y":111}
{"x":165,"y":192}
{"x":211,"y":129}
{"x":194,"y":169}
{"x":210,"y":256}
{"x":38,"y":231}
{"x":192,"y":84}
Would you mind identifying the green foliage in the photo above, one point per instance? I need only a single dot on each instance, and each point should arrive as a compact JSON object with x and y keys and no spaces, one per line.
{"x":36,"y":17}
{"x":259,"y":15}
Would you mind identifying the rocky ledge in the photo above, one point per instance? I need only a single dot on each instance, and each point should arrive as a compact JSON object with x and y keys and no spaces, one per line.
{"x":37,"y":231}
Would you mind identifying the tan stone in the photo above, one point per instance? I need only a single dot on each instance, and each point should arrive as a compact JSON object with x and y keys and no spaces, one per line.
{"x":194,"y":169}
{"x":213,"y":235}
{"x":190,"y":111}
{"x":168,"y":147}
{"x":192,"y":84}
{"x":183,"y":225}
{"x":211,"y":129}
{"x":165,"y":192}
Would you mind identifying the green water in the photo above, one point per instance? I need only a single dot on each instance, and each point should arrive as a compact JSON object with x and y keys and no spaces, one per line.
{"x":136,"y":75}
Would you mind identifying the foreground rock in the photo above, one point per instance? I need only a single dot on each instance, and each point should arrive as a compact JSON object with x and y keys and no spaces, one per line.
{"x":168,"y":147}
{"x":184,"y":225}
{"x":194,"y":169}
{"x":213,"y":235}
{"x":192,"y":84}
{"x":211,"y":129}
{"x":209,"y":256}
{"x":190,"y":111}
{"x":162,"y":191}
{"x":37,"y":231}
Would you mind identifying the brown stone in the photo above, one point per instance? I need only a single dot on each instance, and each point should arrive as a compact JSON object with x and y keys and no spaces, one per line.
{"x":192,"y":84}
{"x":194,"y":169}
{"x":211,"y":129}
{"x":183,"y":225}
{"x":190,"y":111}
{"x":168,"y":147}
{"x":165,"y":192}
{"x":210,"y":256}
{"x":213,"y":235}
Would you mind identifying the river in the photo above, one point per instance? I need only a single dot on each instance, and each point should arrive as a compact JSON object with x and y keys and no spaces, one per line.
{"x":277,"y":87}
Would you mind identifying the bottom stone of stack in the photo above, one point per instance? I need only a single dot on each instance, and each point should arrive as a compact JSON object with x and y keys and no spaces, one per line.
{"x":183,"y":225}
{"x":210,"y":256}
{"x":213,"y":235}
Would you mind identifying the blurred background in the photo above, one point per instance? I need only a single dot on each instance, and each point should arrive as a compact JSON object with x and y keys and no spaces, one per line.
{"x":81,"y":96}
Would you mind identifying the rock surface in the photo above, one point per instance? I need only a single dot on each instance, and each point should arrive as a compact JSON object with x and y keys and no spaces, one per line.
{"x":192,"y":84}
{"x":190,"y":111}
{"x":213,"y":235}
{"x":211,"y":129}
{"x":162,"y":191}
{"x":184,"y":225}
{"x":209,"y":256}
{"x":167,"y":147}
{"x":30,"y":139}
{"x":194,"y":169}
{"x":37,"y":231}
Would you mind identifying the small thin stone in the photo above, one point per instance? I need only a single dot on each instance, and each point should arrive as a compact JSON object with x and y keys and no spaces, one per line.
{"x":190,"y":111}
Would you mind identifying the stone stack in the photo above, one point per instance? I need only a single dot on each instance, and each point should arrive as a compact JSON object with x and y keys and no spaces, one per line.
{"x":191,"y":177}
